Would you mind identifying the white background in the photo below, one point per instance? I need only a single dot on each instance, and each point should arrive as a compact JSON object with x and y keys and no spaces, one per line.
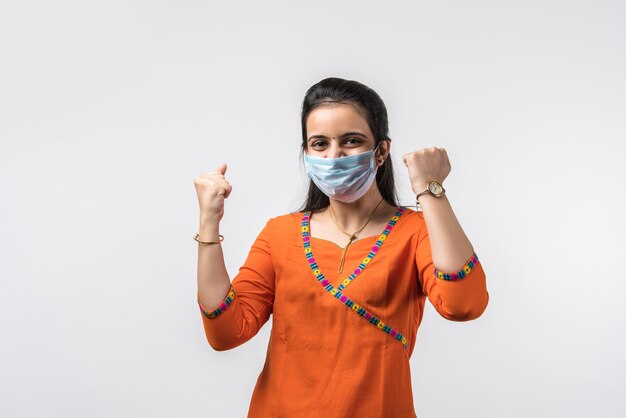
{"x":108,"y":110}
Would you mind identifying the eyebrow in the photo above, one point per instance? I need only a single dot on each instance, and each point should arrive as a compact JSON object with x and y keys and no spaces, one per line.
{"x":352,"y":133}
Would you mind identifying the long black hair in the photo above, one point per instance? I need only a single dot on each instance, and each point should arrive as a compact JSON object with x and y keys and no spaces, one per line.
{"x":369,"y":104}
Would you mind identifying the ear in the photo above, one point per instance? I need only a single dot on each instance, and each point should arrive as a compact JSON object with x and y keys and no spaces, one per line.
{"x":385,"y":148}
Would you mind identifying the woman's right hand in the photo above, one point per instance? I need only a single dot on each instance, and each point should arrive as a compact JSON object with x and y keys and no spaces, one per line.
{"x":212,"y":188}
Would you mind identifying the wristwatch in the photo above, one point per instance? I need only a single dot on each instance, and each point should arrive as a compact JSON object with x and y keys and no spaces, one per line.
{"x":434,"y":188}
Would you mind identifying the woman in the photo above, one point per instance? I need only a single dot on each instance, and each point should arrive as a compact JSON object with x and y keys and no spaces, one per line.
{"x":346,"y":277}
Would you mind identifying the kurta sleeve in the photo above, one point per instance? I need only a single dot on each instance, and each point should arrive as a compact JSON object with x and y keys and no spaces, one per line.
{"x":249,"y":302}
{"x":458,"y":296}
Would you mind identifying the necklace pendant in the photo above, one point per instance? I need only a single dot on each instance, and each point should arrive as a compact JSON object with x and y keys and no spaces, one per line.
{"x":352,"y":236}
{"x":343,"y":257}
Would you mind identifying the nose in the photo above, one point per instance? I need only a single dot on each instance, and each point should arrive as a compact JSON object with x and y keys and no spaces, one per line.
{"x":334,"y":150}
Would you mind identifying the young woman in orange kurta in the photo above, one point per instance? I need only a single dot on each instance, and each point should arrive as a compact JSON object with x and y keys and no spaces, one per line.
{"x":346,"y":277}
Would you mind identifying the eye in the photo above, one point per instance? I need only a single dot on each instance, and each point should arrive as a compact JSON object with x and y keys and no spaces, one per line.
{"x":318,"y":144}
{"x":353,"y":141}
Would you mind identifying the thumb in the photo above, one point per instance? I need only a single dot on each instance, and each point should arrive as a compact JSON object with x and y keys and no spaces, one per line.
{"x":222,"y":168}
{"x":404,"y":160}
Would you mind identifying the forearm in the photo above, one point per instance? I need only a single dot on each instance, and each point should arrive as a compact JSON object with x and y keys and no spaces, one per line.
{"x":449,"y":245}
{"x":213,"y":279}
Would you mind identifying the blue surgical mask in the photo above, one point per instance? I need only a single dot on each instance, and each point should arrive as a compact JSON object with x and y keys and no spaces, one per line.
{"x":345,"y":179}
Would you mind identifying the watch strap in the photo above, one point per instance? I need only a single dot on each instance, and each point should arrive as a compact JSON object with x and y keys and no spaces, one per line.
{"x":429,"y":192}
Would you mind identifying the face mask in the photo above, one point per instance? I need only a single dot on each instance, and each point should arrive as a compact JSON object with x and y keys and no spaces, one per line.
{"x":345,"y":179}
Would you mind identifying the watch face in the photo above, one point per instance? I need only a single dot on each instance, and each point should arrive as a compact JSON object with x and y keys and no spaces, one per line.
{"x":435,"y":188}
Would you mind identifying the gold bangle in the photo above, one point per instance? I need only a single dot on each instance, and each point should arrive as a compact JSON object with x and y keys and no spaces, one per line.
{"x":221,"y":238}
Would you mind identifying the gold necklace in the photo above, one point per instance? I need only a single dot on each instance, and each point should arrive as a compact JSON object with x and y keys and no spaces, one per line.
{"x":352,"y":236}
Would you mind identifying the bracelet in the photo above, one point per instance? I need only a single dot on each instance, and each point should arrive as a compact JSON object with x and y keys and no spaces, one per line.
{"x":221,"y":238}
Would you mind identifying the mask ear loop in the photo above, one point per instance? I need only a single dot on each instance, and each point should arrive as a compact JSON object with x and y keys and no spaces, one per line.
{"x":375,"y":153}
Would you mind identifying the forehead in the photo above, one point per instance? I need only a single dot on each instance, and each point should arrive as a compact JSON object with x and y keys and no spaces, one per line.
{"x":334,"y":119}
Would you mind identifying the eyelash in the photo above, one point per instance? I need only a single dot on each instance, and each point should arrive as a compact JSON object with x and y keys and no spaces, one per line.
{"x":356,"y":142}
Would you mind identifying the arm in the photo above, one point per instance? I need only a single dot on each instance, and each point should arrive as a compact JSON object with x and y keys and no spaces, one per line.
{"x":450,"y":246}
{"x":213,"y":279}
{"x":234,"y":313}
{"x":231,"y":313}
{"x":443,"y":247}
{"x":443,"y":250}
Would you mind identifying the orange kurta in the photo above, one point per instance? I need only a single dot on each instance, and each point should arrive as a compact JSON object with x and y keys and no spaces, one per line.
{"x":340,"y":355}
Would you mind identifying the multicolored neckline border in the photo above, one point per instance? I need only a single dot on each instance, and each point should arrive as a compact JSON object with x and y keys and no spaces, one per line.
{"x":337,"y":292}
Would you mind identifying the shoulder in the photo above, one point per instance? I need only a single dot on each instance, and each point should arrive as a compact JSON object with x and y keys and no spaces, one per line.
{"x":410,"y":221}
{"x":409,"y":213}
{"x":285,"y":222}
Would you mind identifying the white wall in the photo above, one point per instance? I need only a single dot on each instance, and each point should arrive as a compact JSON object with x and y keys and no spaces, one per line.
{"x":109,"y":110}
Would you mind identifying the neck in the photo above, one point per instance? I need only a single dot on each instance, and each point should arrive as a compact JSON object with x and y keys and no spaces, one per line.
{"x":350,"y":216}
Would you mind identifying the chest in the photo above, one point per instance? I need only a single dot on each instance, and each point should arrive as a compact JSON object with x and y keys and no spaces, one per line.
{"x":379,"y":280}
{"x":324,"y":230}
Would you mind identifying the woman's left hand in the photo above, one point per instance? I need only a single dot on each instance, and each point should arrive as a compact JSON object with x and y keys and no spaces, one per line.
{"x":425,"y":165}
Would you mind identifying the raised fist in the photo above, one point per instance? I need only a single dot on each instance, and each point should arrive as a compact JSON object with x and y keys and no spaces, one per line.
{"x":212,"y":188}
{"x":425,"y":165}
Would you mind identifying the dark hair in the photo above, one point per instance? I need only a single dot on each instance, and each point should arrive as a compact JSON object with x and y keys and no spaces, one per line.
{"x":369,"y":104}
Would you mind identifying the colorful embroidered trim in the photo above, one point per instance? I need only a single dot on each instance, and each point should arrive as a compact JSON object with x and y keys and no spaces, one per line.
{"x":464,"y":271}
{"x":366,"y":260}
{"x":337,"y":292}
{"x":223,"y":306}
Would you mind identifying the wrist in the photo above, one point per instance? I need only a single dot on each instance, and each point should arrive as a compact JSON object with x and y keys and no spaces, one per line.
{"x":425,"y":196}
{"x":434,"y":189}
{"x":419,"y":187}
{"x":209,"y":228}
